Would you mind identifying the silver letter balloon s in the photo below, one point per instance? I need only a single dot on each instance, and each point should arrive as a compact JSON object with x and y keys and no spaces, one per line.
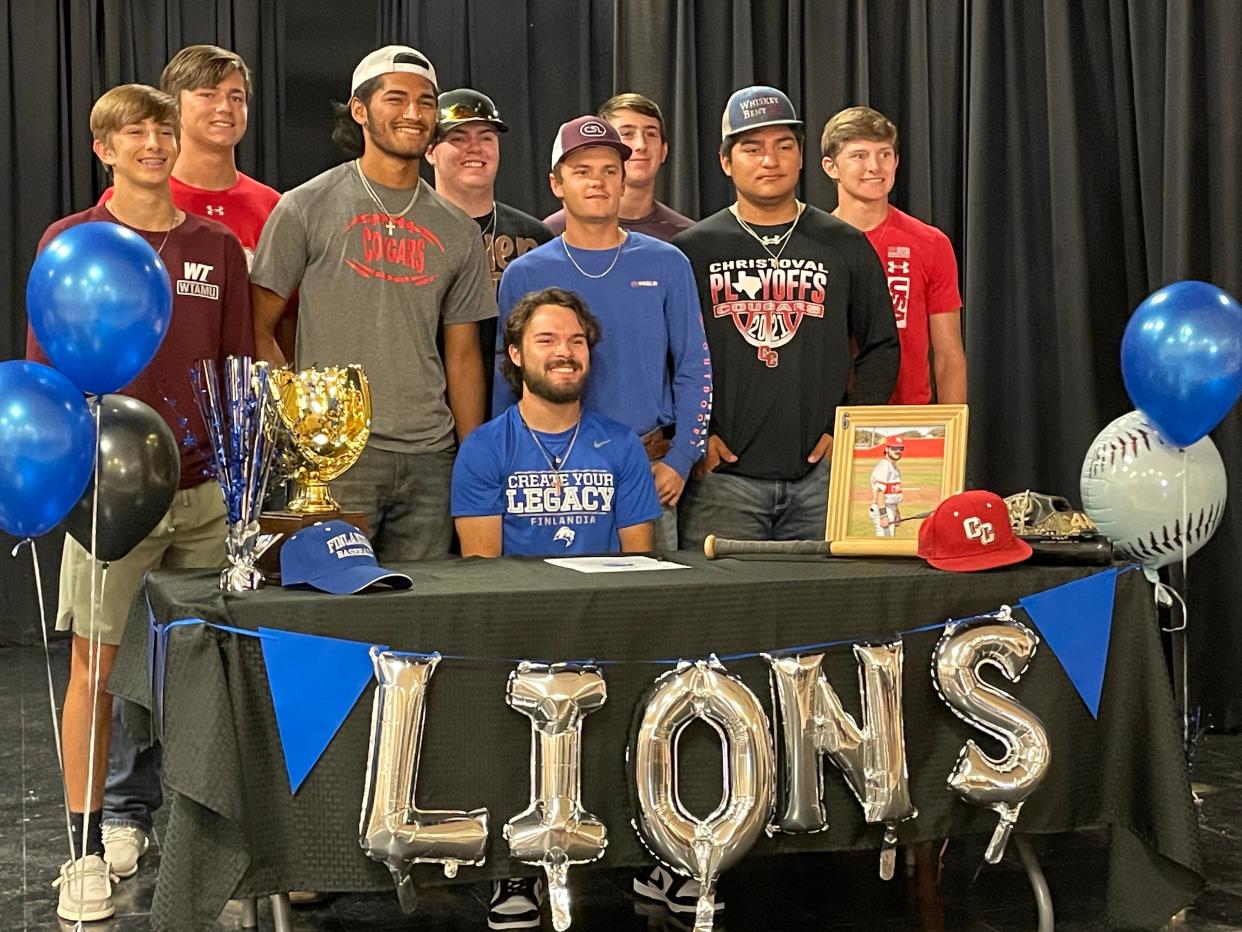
{"x":813,"y":722}
{"x":394,"y":830}
{"x":702,"y":848}
{"x":555,"y":831}
{"x":1002,"y":785}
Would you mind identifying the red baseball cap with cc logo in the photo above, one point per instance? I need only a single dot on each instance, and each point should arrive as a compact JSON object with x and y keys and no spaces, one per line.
{"x":971,"y":531}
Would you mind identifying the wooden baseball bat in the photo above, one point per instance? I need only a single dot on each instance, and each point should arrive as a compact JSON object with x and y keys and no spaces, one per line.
{"x":714,"y":546}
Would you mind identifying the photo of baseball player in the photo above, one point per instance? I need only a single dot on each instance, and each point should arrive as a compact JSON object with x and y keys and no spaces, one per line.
{"x":895,"y":480}
{"x":885,"y":509}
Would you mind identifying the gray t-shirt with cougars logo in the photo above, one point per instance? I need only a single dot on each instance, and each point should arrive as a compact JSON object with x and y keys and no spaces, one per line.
{"x":375,"y":293}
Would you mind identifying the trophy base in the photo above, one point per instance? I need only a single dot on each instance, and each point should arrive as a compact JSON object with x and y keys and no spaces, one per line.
{"x":288,"y":523}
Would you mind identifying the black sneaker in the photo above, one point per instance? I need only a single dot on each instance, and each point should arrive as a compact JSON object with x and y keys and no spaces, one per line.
{"x":515,"y":903}
{"x":678,"y":894}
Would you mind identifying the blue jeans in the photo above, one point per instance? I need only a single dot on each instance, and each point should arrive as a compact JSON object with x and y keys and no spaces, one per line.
{"x":406,"y":497}
{"x":134,"y":789}
{"x":666,"y":530}
{"x":755,"y":509}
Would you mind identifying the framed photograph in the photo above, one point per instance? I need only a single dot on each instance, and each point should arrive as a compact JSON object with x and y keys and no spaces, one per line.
{"x":891,"y":466}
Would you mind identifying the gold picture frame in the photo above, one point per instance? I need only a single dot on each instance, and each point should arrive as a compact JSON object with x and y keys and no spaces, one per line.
{"x":891,"y":466}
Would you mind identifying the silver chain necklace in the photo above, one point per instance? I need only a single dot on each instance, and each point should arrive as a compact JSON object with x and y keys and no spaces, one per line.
{"x":781,"y":239}
{"x":554,"y":462}
{"x":491,"y":228}
{"x":611,"y":265}
{"x":392,"y":218}
{"x":491,"y":224}
{"x":167,"y":233}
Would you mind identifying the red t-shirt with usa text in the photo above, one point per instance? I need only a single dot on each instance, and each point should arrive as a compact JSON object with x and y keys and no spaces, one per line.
{"x":921,"y":270}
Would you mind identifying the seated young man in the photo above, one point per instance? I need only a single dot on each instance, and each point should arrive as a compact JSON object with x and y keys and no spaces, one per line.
{"x":547,"y":478}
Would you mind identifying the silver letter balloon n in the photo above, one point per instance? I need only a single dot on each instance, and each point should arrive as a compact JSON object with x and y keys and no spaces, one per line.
{"x":394,"y":830}
{"x":872,"y":758}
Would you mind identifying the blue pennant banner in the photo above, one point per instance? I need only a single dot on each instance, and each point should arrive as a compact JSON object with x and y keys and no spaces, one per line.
{"x":1076,"y":620}
{"x":315,"y":682}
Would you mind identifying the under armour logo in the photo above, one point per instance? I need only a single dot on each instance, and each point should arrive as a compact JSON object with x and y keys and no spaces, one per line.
{"x":566,"y":535}
{"x":895,"y":267}
{"x":981,"y":531}
{"x":215,"y":211}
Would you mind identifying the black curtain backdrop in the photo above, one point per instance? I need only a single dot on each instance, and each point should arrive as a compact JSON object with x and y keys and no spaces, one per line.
{"x":1078,"y":155}
{"x":544,"y":62}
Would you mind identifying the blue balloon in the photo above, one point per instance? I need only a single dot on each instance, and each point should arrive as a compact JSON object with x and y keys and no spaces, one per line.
{"x":47,"y":447}
{"x":99,"y":301}
{"x":1181,"y":359}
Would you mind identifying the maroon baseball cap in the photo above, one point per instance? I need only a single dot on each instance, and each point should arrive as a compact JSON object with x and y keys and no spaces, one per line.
{"x":587,"y":131}
{"x":971,"y":531}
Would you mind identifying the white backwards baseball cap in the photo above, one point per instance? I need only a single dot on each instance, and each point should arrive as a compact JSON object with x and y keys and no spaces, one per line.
{"x":393,"y":58}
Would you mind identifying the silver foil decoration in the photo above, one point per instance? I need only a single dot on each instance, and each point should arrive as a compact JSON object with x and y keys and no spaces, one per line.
{"x":702,"y":848}
{"x":1000,"y":784}
{"x":240,"y":421}
{"x":554,"y":831}
{"x":813,"y":722}
{"x":393,"y":830}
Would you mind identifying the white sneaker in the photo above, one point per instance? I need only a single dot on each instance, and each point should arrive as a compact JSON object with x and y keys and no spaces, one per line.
{"x":515,"y":903}
{"x":85,"y":890}
{"x":123,"y":845}
{"x":679,"y":894}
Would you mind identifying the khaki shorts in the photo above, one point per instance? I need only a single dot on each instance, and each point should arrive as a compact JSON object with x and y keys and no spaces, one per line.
{"x":190,"y":535}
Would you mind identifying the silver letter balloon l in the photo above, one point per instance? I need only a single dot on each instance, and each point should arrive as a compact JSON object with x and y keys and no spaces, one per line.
{"x":872,"y":758}
{"x":703,"y":848}
{"x":554,"y":830}
{"x":1002,"y":785}
{"x":394,"y":830}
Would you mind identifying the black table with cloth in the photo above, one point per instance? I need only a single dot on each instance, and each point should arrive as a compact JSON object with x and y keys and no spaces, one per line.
{"x":236,"y":830}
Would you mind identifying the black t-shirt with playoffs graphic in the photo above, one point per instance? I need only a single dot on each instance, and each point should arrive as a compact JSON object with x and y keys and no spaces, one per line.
{"x":779,"y":332}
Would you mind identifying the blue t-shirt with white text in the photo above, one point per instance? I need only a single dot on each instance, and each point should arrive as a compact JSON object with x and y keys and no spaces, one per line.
{"x":603,"y":484}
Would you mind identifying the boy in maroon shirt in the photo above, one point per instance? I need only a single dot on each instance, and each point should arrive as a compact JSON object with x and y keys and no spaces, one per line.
{"x":136,"y":133}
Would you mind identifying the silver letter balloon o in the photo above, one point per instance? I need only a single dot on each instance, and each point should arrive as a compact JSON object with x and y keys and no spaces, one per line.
{"x":703,"y":848}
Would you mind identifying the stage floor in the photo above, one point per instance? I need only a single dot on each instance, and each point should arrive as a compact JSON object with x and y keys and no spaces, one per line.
{"x":830,"y":891}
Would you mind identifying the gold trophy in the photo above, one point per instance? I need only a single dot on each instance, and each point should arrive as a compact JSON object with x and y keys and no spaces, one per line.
{"x":325,"y":416}
{"x":324,"y":420}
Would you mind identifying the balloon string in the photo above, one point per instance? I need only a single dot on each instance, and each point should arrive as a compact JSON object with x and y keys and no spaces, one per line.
{"x":92,"y":664}
{"x":1000,"y":615}
{"x":1185,"y":618}
{"x":51,"y":689}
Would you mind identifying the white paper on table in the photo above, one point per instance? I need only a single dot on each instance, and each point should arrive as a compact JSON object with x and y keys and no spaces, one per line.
{"x":617,"y":564}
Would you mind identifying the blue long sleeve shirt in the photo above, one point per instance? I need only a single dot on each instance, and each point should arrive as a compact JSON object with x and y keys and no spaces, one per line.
{"x":651,"y":366}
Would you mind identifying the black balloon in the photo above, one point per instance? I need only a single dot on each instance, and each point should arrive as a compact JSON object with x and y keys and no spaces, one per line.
{"x":139,"y":471}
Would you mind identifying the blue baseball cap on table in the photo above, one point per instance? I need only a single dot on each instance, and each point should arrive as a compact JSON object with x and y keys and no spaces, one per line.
{"x":335,"y":557}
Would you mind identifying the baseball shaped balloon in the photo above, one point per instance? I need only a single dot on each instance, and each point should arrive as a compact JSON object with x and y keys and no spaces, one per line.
{"x":1132,"y":489}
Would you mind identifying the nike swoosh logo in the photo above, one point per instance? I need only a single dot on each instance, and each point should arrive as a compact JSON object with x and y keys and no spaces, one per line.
{"x":600,"y":443}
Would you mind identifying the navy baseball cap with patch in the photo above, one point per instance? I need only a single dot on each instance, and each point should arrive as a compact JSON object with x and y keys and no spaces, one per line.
{"x":587,"y":131}
{"x":335,"y":557}
{"x":756,"y":107}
